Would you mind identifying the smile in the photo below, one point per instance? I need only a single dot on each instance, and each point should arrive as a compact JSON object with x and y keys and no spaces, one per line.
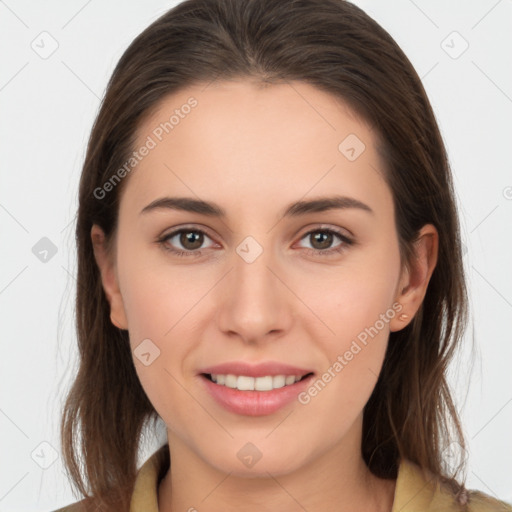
{"x":248,"y":383}
{"x":254,"y":396}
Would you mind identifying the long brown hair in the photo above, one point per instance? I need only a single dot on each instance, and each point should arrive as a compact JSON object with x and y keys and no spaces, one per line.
{"x":335,"y":46}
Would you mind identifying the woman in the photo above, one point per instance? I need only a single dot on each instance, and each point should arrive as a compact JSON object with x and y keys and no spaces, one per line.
{"x":270,"y":262}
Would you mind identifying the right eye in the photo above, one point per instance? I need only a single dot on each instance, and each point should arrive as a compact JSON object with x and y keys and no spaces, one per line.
{"x":190,"y":240}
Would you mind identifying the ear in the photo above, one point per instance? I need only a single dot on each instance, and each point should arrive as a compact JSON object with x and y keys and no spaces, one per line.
{"x":108,"y":277}
{"x":412,"y":287}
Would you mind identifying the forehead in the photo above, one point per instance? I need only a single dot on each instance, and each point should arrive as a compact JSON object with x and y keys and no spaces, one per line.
{"x":241,"y":142}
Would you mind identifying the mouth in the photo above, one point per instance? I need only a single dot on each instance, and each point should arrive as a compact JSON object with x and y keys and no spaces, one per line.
{"x":248,"y":383}
{"x":255,"y":396}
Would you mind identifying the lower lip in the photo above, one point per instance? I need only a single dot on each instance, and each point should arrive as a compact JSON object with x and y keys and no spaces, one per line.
{"x":255,"y":403}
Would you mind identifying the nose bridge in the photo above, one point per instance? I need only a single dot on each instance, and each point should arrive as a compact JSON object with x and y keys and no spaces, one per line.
{"x":254,"y":304}
{"x":252,"y":280}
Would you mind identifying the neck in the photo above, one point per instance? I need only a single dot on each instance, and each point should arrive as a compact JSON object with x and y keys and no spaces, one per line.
{"x":338,"y":477}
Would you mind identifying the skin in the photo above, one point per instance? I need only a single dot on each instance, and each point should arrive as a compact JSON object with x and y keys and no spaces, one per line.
{"x":266,"y":148}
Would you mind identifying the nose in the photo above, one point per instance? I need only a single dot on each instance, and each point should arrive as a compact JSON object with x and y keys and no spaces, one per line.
{"x":255,"y":305}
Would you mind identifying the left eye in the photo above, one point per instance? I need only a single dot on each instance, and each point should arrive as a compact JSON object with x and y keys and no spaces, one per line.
{"x":323,"y":240}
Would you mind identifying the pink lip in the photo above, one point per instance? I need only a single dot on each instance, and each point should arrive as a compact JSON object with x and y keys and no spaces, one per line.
{"x":254,"y":403}
{"x":255,"y":370}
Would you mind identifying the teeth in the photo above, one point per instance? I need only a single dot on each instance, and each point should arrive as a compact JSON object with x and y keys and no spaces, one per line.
{"x":289,"y":380}
{"x":246,"y":383}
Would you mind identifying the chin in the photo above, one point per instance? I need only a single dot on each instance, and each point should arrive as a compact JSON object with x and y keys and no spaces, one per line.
{"x":251,"y":462}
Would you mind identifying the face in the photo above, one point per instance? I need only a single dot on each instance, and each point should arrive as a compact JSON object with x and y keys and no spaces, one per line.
{"x":308,"y":289}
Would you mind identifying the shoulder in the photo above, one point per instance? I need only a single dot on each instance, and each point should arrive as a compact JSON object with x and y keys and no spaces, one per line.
{"x":481,"y":502}
{"x":79,"y":506}
{"x":145,"y":487}
{"x":419,"y":490}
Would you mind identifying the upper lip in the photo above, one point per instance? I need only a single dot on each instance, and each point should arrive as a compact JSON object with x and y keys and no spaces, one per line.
{"x":255,"y":370}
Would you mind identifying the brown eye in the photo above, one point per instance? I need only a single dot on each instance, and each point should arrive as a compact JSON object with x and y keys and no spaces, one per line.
{"x":322,"y":240}
{"x":185,"y":242}
{"x":191,"y":240}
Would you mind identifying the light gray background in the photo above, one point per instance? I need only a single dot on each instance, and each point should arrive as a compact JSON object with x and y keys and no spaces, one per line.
{"x":47,"y":109}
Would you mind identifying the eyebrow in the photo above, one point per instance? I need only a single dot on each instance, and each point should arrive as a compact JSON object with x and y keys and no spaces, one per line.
{"x":293,"y":210}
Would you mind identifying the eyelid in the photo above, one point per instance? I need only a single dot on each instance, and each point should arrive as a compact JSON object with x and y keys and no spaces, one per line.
{"x":327,"y":227}
{"x":345,"y":241}
{"x":308,"y":230}
{"x":191,"y":227}
{"x":163,"y":240}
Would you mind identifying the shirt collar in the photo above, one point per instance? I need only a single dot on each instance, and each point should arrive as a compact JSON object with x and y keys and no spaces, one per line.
{"x":415,"y":490}
{"x":145,"y":491}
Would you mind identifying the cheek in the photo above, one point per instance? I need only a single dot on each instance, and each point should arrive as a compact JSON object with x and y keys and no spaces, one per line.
{"x":353,"y":359}
{"x":163,"y":308}
{"x":159,"y":297}
{"x":355,"y":308}
{"x":161,"y":337}
{"x":354,"y":296}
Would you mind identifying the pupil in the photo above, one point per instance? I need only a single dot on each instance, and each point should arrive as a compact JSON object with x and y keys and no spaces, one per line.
{"x":191,"y":240}
{"x":326,"y":242}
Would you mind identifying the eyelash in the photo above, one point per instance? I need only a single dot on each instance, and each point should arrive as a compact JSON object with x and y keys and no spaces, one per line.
{"x":347,"y":242}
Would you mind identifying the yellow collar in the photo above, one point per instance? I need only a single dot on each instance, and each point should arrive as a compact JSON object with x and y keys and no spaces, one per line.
{"x":415,"y":491}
